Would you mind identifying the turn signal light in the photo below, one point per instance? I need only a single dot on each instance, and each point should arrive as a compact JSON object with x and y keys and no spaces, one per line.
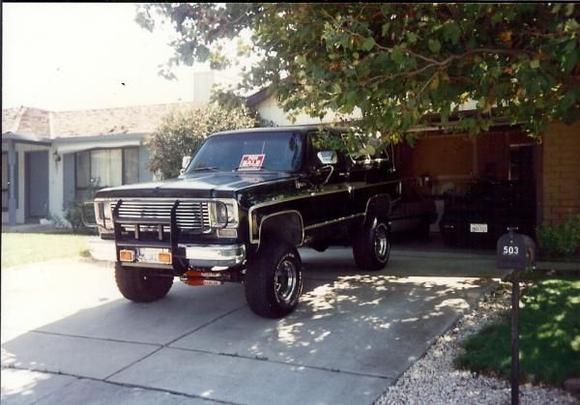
{"x":164,"y":257}
{"x":126,"y":255}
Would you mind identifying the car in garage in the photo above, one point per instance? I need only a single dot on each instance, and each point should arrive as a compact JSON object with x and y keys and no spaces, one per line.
{"x":478,"y":218}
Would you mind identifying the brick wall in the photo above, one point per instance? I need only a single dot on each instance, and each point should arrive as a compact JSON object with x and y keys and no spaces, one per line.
{"x":561,"y":173}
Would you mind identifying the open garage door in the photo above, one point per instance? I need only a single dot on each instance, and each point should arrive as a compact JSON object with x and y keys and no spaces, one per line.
{"x":479,"y":185}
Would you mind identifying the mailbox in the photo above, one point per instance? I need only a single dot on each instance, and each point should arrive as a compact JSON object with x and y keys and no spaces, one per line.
{"x":515,"y":251}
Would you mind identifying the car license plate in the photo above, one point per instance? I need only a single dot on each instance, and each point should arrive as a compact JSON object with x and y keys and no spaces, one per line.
{"x":478,"y":228}
{"x":150,"y":255}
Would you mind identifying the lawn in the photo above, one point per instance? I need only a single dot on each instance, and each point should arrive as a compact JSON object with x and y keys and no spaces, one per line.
{"x":549,"y":336}
{"x":22,"y":248}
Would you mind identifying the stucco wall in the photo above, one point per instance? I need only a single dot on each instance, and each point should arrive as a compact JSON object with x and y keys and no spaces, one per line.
{"x":270,"y":110}
{"x":561,"y":173}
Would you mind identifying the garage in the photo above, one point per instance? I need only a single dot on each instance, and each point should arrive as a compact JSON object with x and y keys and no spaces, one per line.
{"x":477,"y":185}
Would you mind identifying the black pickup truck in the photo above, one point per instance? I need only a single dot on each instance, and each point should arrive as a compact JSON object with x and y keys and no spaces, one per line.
{"x":245,"y":202}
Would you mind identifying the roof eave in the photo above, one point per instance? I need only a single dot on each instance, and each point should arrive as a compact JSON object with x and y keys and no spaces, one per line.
{"x":92,"y":138}
{"x":10,"y":136}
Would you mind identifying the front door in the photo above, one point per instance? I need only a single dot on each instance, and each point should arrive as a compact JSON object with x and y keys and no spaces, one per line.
{"x":36,"y":185}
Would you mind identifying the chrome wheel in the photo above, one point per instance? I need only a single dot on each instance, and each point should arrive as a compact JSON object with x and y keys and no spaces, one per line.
{"x":285,"y":280}
{"x":381,"y":243}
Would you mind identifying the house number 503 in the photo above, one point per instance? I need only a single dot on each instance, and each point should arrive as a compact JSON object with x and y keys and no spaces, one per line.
{"x":511,"y":250}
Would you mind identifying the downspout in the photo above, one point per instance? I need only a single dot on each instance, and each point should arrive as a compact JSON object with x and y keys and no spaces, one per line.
{"x":11,"y":183}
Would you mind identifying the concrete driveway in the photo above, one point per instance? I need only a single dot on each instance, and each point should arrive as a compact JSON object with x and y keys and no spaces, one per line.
{"x":69,"y":337}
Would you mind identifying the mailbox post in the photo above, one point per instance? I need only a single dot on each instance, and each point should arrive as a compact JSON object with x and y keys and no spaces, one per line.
{"x":515,"y":252}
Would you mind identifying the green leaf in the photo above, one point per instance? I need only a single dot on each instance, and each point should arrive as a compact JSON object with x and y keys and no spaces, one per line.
{"x":397,"y":55}
{"x":451,"y":32}
{"x":351,"y":97}
{"x":434,"y":45}
{"x":385,"y":29}
{"x":368,"y":44}
{"x":411,"y":37}
{"x":570,"y":46}
{"x":497,"y":17}
{"x":571,"y":62}
{"x":535,"y":63}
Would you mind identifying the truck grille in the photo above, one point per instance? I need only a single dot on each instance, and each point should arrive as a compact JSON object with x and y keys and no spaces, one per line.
{"x":191,"y":215}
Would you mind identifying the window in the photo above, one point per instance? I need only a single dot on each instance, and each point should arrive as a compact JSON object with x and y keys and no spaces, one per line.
{"x":282,"y":151}
{"x":105,"y":168}
{"x":131,"y":165}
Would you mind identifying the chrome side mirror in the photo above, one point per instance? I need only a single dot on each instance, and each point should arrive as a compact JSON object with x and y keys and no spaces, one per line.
{"x":184,"y":163}
{"x":327,"y":157}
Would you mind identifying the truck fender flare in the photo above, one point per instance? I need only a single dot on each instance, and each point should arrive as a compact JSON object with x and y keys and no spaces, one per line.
{"x":380,"y":205}
{"x":288,"y":225}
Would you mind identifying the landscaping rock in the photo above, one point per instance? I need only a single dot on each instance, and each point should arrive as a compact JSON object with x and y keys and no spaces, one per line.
{"x":434,"y":378}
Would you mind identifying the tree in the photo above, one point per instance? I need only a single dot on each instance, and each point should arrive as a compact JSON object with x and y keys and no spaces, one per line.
{"x":400,"y":64}
{"x":181,"y":132}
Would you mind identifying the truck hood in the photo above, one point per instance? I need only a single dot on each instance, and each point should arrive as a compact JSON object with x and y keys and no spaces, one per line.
{"x":199,"y":185}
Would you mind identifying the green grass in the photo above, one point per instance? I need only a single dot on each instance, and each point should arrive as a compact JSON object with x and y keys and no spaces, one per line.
{"x":23,"y":248}
{"x":549,"y":328}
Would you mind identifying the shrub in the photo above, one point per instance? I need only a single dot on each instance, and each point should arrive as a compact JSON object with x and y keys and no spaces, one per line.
{"x":560,"y":240}
{"x":182,"y":132}
{"x":77,"y":210}
{"x":74,"y":215}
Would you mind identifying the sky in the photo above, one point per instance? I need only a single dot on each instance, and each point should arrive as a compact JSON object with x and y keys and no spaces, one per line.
{"x":71,"y":56}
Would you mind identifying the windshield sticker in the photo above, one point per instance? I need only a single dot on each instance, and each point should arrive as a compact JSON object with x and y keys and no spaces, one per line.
{"x":252,"y":162}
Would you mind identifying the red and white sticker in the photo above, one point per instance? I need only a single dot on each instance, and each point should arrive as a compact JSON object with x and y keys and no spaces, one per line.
{"x":251,"y":162}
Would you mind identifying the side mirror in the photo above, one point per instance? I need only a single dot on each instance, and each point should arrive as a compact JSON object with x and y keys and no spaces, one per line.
{"x":184,"y":163}
{"x":327,"y":157}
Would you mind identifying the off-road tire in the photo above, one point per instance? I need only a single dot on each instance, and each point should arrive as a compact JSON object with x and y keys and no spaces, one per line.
{"x":262,"y":280}
{"x":366,"y":254}
{"x":141,"y":285}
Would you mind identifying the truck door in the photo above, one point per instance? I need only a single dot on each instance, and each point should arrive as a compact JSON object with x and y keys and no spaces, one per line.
{"x":332,"y":200}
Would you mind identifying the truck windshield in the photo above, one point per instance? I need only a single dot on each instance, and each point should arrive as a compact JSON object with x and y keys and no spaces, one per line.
{"x":275,"y":151}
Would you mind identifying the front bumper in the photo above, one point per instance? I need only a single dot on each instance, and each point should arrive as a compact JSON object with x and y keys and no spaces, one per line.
{"x":197,"y":255}
{"x":102,"y":249}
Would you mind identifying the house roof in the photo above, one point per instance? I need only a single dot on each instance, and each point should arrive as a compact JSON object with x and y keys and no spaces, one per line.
{"x":26,"y":121}
{"x":259,"y":96}
{"x":31,"y":122}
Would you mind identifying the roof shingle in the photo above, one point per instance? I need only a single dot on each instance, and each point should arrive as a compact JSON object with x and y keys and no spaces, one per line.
{"x":141,"y":119}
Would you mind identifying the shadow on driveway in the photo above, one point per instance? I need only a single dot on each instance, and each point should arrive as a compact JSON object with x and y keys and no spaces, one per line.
{"x":353,"y":334}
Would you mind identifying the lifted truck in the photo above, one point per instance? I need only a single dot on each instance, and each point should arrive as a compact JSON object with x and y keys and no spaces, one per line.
{"x":237,"y":213}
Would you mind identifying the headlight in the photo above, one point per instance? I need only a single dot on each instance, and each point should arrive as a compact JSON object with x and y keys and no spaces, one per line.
{"x":223,"y":213}
{"x":104,"y":213}
{"x":98,"y":212}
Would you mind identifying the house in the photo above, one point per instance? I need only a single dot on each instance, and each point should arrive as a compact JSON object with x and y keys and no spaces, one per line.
{"x":55,"y":157}
{"x":450,"y":162}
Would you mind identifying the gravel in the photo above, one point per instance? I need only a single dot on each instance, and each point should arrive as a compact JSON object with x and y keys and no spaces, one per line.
{"x":434,"y":380}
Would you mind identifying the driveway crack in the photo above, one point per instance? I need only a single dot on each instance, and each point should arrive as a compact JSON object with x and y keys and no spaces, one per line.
{"x":165,"y":345}
{"x":119,"y":384}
